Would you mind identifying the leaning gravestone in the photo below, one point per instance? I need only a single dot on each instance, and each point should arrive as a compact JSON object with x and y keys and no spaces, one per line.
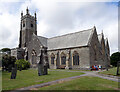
{"x":118,"y":68}
{"x":14,"y":72}
{"x":40,"y":70}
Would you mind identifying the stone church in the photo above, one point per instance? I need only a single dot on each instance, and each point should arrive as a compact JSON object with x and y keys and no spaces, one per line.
{"x":79,"y":50}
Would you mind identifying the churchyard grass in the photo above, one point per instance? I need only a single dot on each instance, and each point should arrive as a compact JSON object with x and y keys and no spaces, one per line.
{"x":30,"y":77}
{"x":111,"y":71}
{"x":84,"y":83}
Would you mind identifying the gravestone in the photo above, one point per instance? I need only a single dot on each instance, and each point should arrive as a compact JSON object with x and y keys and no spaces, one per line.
{"x":14,"y":72}
{"x":118,"y":66}
{"x":42,"y":63}
{"x":45,"y":58}
{"x":40,"y":70}
{"x":45,"y":70}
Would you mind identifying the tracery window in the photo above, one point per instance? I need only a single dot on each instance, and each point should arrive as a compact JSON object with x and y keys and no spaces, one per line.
{"x":63,"y":59}
{"x":75,"y":58}
{"x":52,"y":58}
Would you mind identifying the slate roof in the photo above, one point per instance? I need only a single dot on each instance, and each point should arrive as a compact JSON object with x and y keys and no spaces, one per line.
{"x":76,"y":39}
{"x":43,"y":40}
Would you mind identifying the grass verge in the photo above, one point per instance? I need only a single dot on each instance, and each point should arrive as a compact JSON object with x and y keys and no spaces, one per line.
{"x":30,"y":77}
{"x":111,"y":71}
{"x":84,"y":83}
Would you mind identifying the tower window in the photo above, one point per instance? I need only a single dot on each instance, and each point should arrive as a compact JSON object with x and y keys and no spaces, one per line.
{"x":23,"y":25}
{"x":31,"y":25}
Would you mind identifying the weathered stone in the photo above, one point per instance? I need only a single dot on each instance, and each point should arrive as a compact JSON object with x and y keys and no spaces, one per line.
{"x":14,"y":72}
{"x":40,"y":70}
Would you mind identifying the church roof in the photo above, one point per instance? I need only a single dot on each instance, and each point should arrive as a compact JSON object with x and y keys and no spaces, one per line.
{"x":76,"y":39}
{"x":43,"y":40}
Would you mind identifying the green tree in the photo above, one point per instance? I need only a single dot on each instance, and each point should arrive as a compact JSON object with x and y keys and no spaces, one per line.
{"x":5,"y":49}
{"x":22,"y":64}
{"x":114,"y":58}
{"x":8,"y":62}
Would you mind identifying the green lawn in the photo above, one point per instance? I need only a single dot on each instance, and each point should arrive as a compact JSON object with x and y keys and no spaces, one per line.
{"x":29,"y":77}
{"x":111,"y":71}
{"x":84,"y":83}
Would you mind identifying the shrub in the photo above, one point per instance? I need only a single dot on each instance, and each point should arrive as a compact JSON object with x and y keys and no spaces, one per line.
{"x":22,"y":64}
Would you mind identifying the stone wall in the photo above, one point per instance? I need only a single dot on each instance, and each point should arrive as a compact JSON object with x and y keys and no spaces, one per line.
{"x":83,"y":58}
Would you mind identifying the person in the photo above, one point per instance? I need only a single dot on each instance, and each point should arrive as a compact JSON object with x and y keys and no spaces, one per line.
{"x":91,"y":68}
{"x":99,"y":67}
{"x":96,"y":68}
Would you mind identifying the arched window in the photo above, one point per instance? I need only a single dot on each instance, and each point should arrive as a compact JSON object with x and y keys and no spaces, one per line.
{"x":75,"y":58}
{"x":31,"y":25}
{"x":52,"y":58}
{"x":34,"y":55}
{"x":63,"y":59}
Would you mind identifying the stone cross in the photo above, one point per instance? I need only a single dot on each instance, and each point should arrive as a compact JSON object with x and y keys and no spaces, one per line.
{"x":42,"y":63}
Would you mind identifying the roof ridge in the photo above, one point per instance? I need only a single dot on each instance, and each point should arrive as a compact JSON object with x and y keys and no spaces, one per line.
{"x":42,"y":37}
{"x":71,"y":33}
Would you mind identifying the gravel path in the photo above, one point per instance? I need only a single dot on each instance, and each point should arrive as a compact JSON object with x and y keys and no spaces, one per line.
{"x":108,"y":77}
{"x":87,"y":73}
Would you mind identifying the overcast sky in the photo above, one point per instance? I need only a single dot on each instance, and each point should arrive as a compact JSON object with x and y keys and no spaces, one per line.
{"x":59,"y":17}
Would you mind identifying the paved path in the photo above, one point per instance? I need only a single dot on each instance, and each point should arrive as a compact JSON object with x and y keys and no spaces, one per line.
{"x":87,"y":73}
{"x":95,"y":73}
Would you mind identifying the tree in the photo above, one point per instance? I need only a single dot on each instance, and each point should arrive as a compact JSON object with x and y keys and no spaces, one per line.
{"x":5,"y":49}
{"x":115,"y":57}
{"x":8,"y":62}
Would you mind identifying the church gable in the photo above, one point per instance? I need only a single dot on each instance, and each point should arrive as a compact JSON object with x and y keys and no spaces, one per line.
{"x":95,"y":49}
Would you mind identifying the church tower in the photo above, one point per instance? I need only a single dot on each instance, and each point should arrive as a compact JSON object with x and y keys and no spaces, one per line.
{"x":28,"y":27}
